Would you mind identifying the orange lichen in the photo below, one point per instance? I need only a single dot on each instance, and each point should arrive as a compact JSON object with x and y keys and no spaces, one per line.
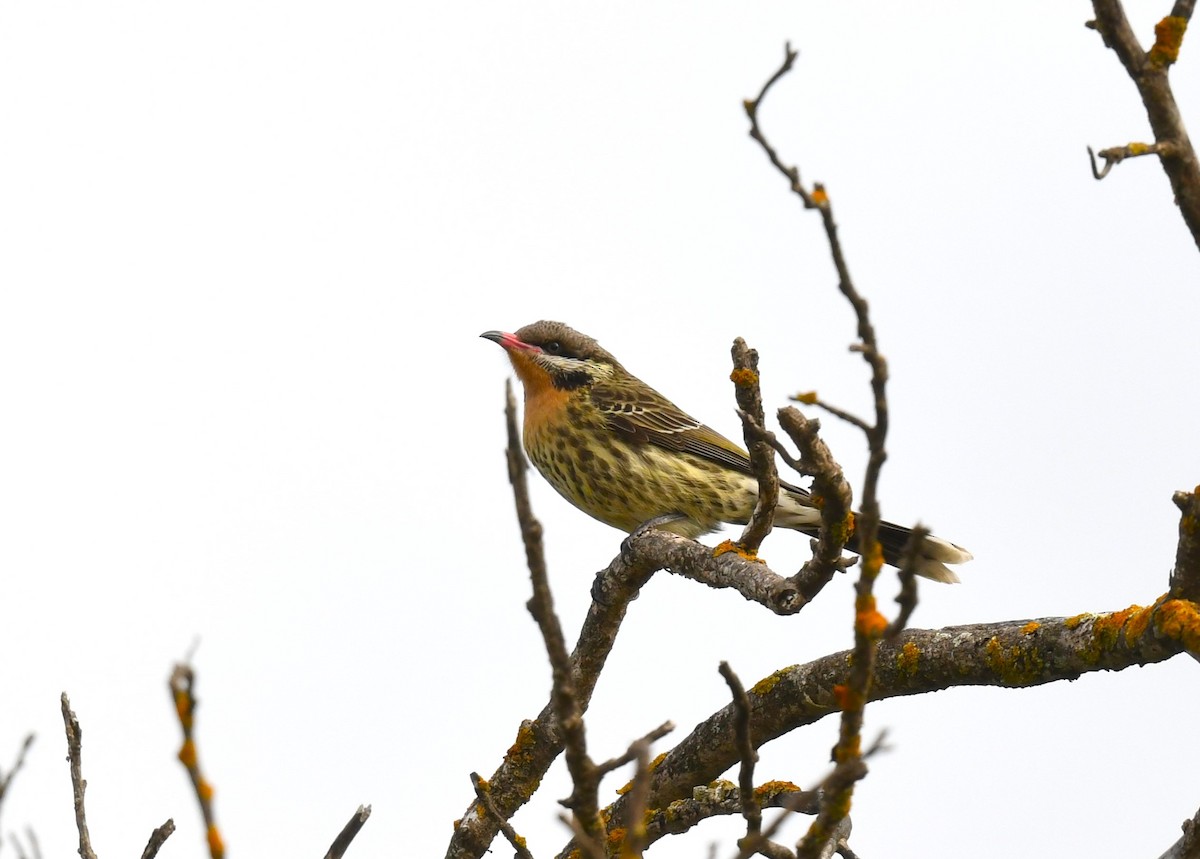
{"x":1168,"y":37}
{"x":1074,"y":621}
{"x":819,"y":196}
{"x":205,"y":790}
{"x":187,"y":754}
{"x":1180,"y":620}
{"x":869,"y":621}
{"x":1030,"y":628}
{"x":216,"y":847}
{"x":908,"y":659}
{"x":744,"y":377}
{"x":738,"y":549}
{"x":1106,"y":632}
{"x":183,"y":707}
{"x":1139,"y":623}
{"x":846,"y":697}
{"x":808,"y":398}
{"x":767,"y":791}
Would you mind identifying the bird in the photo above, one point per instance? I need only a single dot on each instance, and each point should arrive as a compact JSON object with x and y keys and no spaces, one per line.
{"x":625,"y":454}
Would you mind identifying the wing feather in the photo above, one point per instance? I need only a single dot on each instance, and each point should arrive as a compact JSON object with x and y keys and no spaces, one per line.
{"x":643,"y":415}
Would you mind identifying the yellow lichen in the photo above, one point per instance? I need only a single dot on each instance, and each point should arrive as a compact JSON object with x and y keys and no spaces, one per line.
{"x":908,"y":659}
{"x":1030,"y":628}
{"x":808,"y":398}
{"x":1016,"y":665}
{"x":762,"y":687}
{"x":1072,"y":622}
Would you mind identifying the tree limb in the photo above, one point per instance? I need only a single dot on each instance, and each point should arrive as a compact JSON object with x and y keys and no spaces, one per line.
{"x":1149,"y":72}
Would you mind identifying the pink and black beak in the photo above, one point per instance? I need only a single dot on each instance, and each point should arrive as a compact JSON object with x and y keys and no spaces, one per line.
{"x":509,"y":341}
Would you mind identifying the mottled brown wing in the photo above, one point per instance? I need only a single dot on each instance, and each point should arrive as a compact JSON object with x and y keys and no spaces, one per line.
{"x":641,"y":414}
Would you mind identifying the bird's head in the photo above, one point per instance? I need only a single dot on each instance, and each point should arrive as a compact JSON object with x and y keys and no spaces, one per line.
{"x":553,"y":354}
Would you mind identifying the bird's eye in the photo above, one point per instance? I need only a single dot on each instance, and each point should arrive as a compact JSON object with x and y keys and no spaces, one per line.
{"x":553,"y":347}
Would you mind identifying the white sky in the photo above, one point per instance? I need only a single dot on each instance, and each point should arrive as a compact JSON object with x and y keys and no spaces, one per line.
{"x":245,"y":253}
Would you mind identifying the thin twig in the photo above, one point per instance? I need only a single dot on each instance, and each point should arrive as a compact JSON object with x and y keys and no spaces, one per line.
{"x":78,"y":785}
{"x":182,"y":688}
{"x":516,"y":841}
{"x":636,"y":838}
{"x":158,"y":838}
{"x":340,"y":844}
{"x":6,"y":778}
{"x":762,"y":458}
{"x":869,"y":624}
{"x":583,"y":800}
{"x":811,"y":399}
{"x":1116,"y":154}
{"x":749,"y":757}
{"x":752,"y":106}
{"x":907,"y":598}
{"x":834,"y":498}
{"x":631,"y":753}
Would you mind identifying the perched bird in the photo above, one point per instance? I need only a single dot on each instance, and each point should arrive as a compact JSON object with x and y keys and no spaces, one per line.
{"x":623,"y":453}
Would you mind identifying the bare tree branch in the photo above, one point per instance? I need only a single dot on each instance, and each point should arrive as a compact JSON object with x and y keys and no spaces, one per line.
{"x":749,"y":757}
{"x":158,"y":838}
{"x":1185,"y":578}
{"x":356,"y":822}
{"x":6,"y":778}
{"x":1188,"y":845}
{"x":78,"y":785}
{"x":907,"y":598}
{"x":1149,"y":72}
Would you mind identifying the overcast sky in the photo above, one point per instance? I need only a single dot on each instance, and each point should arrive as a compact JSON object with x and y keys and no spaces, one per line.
{"x":246,"y":250}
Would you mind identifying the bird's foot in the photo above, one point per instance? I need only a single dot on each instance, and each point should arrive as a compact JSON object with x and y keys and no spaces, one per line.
{"x":649,"y":525}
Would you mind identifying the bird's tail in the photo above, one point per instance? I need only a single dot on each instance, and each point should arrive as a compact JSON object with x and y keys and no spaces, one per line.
{"x":796,"y":512}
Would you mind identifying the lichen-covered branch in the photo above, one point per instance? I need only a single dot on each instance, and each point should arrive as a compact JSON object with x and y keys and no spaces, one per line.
{"x":182,"y":687}
{"x":1149,"y":72}
{"x":869,"y":624}
{"x":1007,"y":654}
{"x":762,"y":457}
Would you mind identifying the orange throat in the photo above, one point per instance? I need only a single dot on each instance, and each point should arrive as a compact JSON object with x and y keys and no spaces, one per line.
{"x":543,"y":401}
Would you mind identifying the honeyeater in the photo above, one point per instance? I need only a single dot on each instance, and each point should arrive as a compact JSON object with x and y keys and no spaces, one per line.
{"x":624,"y":454}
